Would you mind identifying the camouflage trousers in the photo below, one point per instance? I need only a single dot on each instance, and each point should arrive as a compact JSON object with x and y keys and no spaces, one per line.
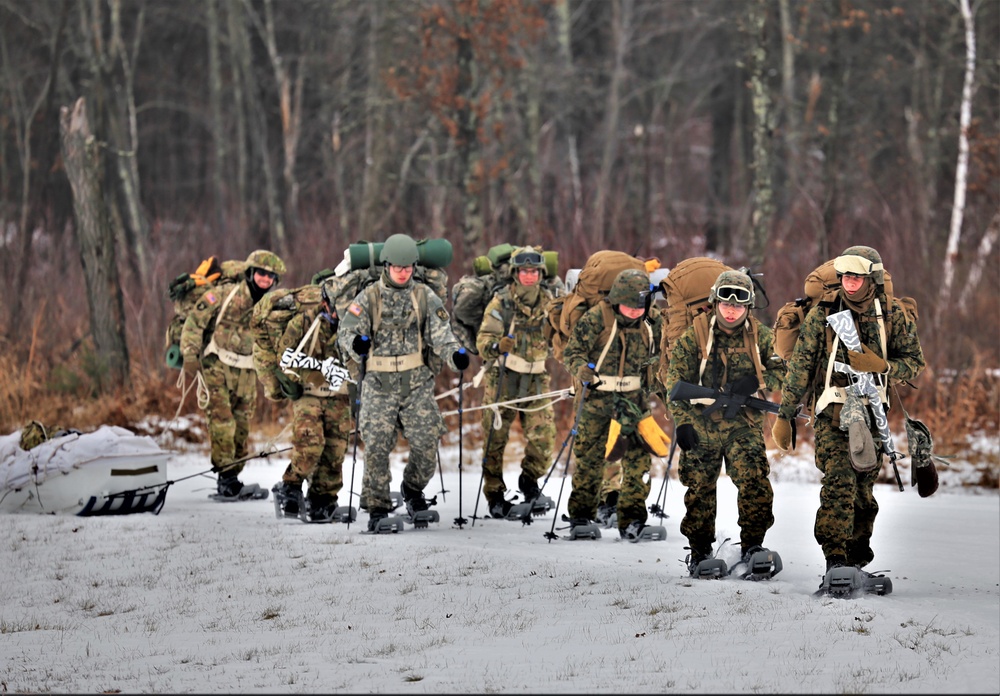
{"x":589,"y":474}
{"x":847,"y":507}
{"x":232,"y":400}
{"x":388,"y":410}
{"x":538,"y":428}
{"x":741,"y":446}
{"x":321,"y":427}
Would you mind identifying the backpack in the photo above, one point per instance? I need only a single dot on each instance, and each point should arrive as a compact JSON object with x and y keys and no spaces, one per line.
{"x":472,"y":292}
{"x":270,"y":316}
{"x":592,"y":286}
{"x":686,"y":289}
{"x":821,"y":287}
{"x":185,"y":290}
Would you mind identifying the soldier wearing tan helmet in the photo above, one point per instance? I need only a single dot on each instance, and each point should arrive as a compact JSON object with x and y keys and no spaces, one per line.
{"x":725,"y":349}
{"x":891,"y":353}
{"x":217,"y":343}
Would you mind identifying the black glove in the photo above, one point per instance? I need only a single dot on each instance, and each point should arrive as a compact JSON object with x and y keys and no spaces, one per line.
{"x":745,"y":386}
{"x":687,"y":438}
{"x":461,"y":359}
{"x":361,"y":345}
{"x":290,"y":388}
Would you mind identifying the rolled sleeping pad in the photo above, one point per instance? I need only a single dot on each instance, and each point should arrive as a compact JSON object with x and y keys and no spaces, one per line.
{"x":174,"y":359}
{"x":499,"y":253}
{"x":431,"y":253}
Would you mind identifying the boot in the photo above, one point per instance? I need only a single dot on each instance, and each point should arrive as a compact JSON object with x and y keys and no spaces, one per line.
{"x":499,"y":508}
{"x":322,"y":507}
{"x":288,"y":496}
{"x":374,"y":516}
{"x":835,"y":560}
{"x":228,"y":485}
{"x":529,"y":487}
{"x":414,"y":499}
{"x":608,"y":508}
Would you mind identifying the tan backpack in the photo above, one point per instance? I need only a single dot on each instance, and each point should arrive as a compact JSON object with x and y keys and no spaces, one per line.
{"x":686,"y":289}
{"x":596,"y":278}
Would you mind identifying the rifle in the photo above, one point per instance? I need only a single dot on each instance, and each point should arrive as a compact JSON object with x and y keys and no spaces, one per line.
{"x":863,"y":384}
{"x":725,"y":398}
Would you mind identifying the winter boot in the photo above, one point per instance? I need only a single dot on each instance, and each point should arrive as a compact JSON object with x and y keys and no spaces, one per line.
{"x":322,"y":508}
{"x":228,"y":485}
{"x":607,"y":512}
{"x":759,"y":563}
{"x":499,"y":508}
{"x":287,"y":499}
{"x":638,"y":531}
{"x":533,"y":496}
{"x":703,"y":565}
{"x":379,"y":522}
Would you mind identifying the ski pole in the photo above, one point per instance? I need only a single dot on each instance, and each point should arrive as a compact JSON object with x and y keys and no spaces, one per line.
{"x":501,"y":375}
{"x":656,"y":508}
{"x":357,"y":431}
{"x":570,"y":438}
{"x":460,"y":521}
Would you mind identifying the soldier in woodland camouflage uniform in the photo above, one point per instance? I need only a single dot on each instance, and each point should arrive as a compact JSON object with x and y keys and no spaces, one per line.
{"x":618,"y":389}
{"x":321,"y":415}
{"x":217,"y":341}
{"x":847,"y":507}
{"x":515,"y":337}
{"x":397,"y":392}
{"x":739,"y":353}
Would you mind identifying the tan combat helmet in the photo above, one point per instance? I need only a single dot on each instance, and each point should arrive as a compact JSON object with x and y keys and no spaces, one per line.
{"x":860,"y":261}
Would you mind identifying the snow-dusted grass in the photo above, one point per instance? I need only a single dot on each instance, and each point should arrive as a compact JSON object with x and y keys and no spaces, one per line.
{"x":213,"y":597}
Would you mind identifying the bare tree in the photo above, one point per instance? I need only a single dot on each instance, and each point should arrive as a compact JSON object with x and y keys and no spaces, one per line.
{"x":84,"y":167}
{"x":962,"y":168}
{"x":763,"y":193}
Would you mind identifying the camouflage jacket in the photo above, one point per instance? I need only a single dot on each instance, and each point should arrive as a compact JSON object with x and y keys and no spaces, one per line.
{"x":231,"y":331}
{"x":398,"y":331}
{"x":628,"y":354}
{"x":506,"y":314}
{"x":728,"y":362}
{"x":807,"y":366}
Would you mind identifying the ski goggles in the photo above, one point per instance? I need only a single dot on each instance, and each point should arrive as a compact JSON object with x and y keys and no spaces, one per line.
{"x":266,"y":274}
{"x":855,"y":265}
{"x":527,"y":258}
{"x":733,"y":294}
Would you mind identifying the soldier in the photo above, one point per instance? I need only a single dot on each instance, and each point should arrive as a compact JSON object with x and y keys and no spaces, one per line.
{"x":847,"y":506}
{"x":724,"y":348}
{"x":515,"y":339}
{"x":222,"y":318}
{"x":620,"y":337}
{"x":321,"y":411}
{"x":411,"y":327}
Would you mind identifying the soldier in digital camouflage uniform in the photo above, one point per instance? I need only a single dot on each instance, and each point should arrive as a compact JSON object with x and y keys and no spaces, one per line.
{"x":847,"y":507}
{"x":619,"y":387}
{"x":397,"y":392}
{"x":217,"y":341}
{"x":515,"y":338}
{"x":321,"y":412}
{"x":738,"y":361}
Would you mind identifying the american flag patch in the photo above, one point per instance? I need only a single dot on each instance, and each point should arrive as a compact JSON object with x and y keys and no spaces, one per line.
{"x":355,"y":309}
{"x":210,"y":298}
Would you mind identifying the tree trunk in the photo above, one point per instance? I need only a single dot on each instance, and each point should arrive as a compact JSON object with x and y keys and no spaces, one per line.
{"x":468,"y":156}
{"x":763,"y":193}
{"x":215,"y":108}
{"x":84,"y":168}
{"x":374,"y":129}
{"x":562,"y":18}
{"x":962,"y":167}
{"x":237,"y":39}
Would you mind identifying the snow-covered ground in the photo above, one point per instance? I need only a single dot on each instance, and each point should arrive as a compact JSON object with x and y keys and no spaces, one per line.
{"x":211,"y":597}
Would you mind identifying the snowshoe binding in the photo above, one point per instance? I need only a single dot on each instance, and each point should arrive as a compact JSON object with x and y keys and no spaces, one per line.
{"x":417,"y":508}
{"x":231,"y":490}
{"x":324,"y":510}
{"x":287,"y":500}
{"x":581,"y":528}
{"x":397,"y":500}
{"x":704,"y":566}
{"x":638,"y":531}
{"x":848,"y":582}
{"x":379,"y":522}
{"x":757,"y":563}
{"x":607,"y":512}
{"x":500,"y":509}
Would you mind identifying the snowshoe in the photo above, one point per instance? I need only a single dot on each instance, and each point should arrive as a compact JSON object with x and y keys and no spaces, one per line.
{"x":500,"y":509}
{"x":705,"y":567}
{"x":417,"y":508}
{"x":327,"y":511}
{"x":379,"y":522}
{"x":876,"y":583}
{"x":397,"y":500}
{"x":581,"y":528}
{"x":637,"y":531}
{"x":538,"y":506}
{"x":287,"y":500}
{"x":249,"y":491}
{"x":421,"y":518}
{"x":758,"y":563}
{"x":846,"y":581}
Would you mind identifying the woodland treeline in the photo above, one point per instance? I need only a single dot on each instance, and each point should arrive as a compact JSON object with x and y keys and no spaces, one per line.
{"x":140,"y":136}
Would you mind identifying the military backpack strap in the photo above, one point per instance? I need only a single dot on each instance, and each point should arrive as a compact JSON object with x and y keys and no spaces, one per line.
{"x":606,"y":314}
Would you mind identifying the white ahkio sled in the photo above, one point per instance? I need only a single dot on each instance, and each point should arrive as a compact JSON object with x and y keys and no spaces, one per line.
{"x":111,"y":471}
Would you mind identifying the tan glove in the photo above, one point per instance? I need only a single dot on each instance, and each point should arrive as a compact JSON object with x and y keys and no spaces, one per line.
{"x":653,"y":436}
{"x":586,"y":374}
{"x":867,"y":361}
{"x":192,"y":366}
{"x":781,"y":433}
{"x":505,"y":345}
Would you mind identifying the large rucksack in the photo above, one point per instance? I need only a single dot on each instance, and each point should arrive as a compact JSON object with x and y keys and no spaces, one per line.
{"x":185,"y":290}
{"x":472,"y":292}
{"x":821,"y":287}
{"x":686,"y":289}
{"x":592,"y":285}
{"x":270,"y":316}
